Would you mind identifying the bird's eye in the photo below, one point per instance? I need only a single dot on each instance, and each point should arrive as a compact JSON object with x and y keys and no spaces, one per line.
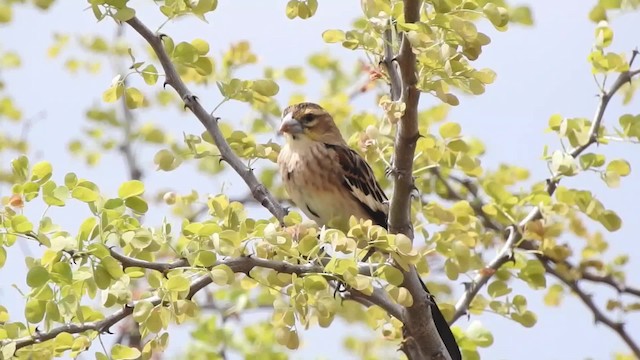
{"x":307,"y":118}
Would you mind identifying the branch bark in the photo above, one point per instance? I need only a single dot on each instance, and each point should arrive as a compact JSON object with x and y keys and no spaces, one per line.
{"x":587,"y":300}
{"x":421,"y":337}
{"x":237,"y":265}
{"x":407,"y":132}
{"x":100,"y":326}
{"x":514,"y":238}
{"x":210,"y":122}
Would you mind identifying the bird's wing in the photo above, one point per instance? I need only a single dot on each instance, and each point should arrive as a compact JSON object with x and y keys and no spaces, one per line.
{"x":361,"y":183}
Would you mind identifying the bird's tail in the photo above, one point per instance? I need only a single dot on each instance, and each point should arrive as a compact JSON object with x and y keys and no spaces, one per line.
{"x":443,"y":328}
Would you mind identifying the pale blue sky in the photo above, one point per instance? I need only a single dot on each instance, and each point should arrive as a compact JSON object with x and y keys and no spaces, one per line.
{"x":541,"y":71}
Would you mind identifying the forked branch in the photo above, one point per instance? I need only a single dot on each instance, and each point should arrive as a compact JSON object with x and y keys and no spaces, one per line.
{"x":210,"y":122}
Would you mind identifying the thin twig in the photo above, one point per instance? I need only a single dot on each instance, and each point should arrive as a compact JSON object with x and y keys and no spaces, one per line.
{"x":609,"y":280}
{"x":135,"y":172}
{"x":587,"y":299}
{"x":210,"y":122}
{"x":515,"y":237}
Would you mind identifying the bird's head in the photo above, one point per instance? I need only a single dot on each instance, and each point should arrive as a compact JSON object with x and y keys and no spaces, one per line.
{"x":309,"y":121}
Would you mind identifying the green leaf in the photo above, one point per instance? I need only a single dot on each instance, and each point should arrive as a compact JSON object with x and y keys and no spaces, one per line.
{"x":41,"y":172}
{"x":113,"y":267}
{"x":205,"y":6}
{"x":113,"y":93}
{"x":563,"y":164}
{"x":333,"y":36}
{"x":34,"y":310}
{"x":295,"y":75}
{"x":610,"y":220}
{"x":201,"y":46}
{"x":203,"y":66}
{"x":131,"y":188}
{"x":185,"y":53}
{"x":391,"y":274}
{"x":479,"y":335}
{"x":527,"y":319}
{"x":61,"y":273}
{"x":292,"y":9}
{"x":133,"y":98}
{"x":141,"y":310}
{"x":498,"y":16}
{"x":177,"y":283}
{"x":498,"y":288}
{"x":620,"y":167}
{"x":165,"y":160}
{"x":150,"y":75}
{"x":21,"y":224}
{"x":591,"y":160}
{"x":37,"y":276}
{"x":20,"y":167}
{"x":204,"y":258}
{"x":84,"y":194}
{"x":521,"y":15}
{"x":137,"y":204}
{"x":265,"y":87}
{"x":119,"y":351}
{"x":70,"y":180}
{"x":222,"y":275}
{"x":450,"y":130}
{"x":604,"y":35}
{"x":125,"y":14}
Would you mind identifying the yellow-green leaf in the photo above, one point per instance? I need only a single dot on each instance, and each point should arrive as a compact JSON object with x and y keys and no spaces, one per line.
{"x":131,"y":188}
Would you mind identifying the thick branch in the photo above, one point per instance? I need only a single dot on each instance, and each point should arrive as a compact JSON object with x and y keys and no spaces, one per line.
{"x":378,"y":297}
{"x":422,"y":340}
{"x":237,"y":265}
{"x":259,"y":192}
{"x":100,"y":326}
{"x":242,"y":264}
{"x":407,"y":132}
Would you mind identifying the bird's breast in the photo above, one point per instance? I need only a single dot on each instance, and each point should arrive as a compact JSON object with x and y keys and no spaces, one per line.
{"x":313,"y":180}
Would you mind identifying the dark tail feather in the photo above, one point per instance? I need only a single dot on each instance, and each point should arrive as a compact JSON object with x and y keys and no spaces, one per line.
{"x":443,"y":328}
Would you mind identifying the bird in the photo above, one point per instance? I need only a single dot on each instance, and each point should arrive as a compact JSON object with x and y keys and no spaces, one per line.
{"x":330,"y":182}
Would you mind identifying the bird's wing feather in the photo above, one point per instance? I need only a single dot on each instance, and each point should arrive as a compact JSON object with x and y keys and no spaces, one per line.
{"x":361,"y":183}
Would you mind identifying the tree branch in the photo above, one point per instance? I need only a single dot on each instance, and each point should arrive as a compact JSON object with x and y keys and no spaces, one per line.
{"x":237,"y":265}
{"x":100,"y":326}
{"x":407,"y":132}
{"x":422,"y":340}
{"x":554,"y":180}
{"x":514,"y":238}
{"x":609,"y":280}
{"x":587,"y":300}
{"x":258,"y":190}
{"x":242,"y":264}
{"x":135,"y":172}
{"x":378,"y":297}
{"x":480,"y":280}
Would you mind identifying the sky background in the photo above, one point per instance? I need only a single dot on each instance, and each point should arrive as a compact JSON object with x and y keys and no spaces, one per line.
{"x":541,"y":70}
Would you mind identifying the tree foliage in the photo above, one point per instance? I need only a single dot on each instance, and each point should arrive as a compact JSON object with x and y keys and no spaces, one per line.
{"x":151,"y":258}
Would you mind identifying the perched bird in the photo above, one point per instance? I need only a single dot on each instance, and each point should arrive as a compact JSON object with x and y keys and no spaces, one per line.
{"x":330,"y":182}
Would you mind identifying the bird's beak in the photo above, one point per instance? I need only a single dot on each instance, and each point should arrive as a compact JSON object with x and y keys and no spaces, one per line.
{"x":290,"y":126}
